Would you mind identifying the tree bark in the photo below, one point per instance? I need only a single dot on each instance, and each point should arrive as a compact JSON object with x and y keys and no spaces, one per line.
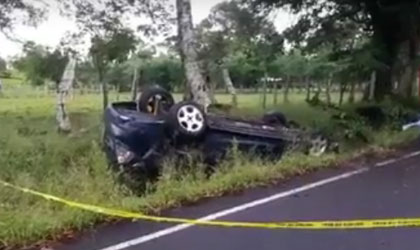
{"x":63,"y":88}
{"x":318,"y":91}
{"x":134,"y":88}
{"x":328,"y":88}
{"x":308,"y":88}
{"x":195,"y":80}
{"x":372,"y":86}
{"x":352,"y":92}
{"x":264,"y":102}
{"x":343,"y":87}
{"x":229,"y":85}
{"x":387,"y":37}
{"x":104,"y":88}
{"x":212,"y":90}
{"x":286,"y":90}
{"x":390,"y":43}
{"x":275,"y":92}
{"x":410,"y":69}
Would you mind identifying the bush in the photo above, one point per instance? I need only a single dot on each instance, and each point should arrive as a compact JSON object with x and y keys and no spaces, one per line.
{"x":7,"y":74}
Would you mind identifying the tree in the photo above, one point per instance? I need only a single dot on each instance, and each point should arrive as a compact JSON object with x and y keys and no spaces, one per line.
{"x":32,"y":64}
{"x":28,"y":13}
{"x":290,"y":67}
{"x":111,"y":47}
{"x":40,"y":64}
{"x":136,"y":65}
{"x":187,"y":43}
{"x":86,"y":73}
{"x":63,"y":88}
{"x":392,"y":25}
{"x":111,"y":41}
{"x":3,"y":65}
{"x":165,"y":71}
{"x":233,"y":28}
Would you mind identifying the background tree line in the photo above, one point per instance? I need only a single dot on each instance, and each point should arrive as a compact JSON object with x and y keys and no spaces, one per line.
{"x":334,"y":45}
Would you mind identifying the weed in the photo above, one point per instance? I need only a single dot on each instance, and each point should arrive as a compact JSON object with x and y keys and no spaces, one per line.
{"x":33,"y":155}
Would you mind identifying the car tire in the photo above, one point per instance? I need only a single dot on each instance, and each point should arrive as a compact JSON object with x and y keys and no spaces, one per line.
{"x":187,"y":119}
{"x":275,"y":119}
{"x":318,"y":145}
{"x":155,"y":100}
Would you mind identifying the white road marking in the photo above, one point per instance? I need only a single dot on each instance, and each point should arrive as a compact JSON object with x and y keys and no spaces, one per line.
{"x":385,"y":163}
{"x":223,"y":213}
{"x":410,"y":155}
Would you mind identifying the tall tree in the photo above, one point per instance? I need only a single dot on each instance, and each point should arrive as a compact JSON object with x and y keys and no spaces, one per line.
{"x":14,"y":12}
{"x":112,"y":46}
{"x":40,"y":64}
{"x":136,"y":65}
{"x":63,"y":89}
{"x":392,"y":25}
{"x":233,"y":28}
{"x":3,"y":65}
{"x":198,"y":90}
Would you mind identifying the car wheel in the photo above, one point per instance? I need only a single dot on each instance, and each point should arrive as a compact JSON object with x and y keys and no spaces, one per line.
{"x":318,"y":145}
{"x":276,"y":119}
{"x":155,"y":100}
{"x":188,"y":119}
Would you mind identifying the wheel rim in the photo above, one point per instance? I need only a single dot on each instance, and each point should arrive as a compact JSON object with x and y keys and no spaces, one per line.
{"x":190,"y":118}
{"x":318,"y":146}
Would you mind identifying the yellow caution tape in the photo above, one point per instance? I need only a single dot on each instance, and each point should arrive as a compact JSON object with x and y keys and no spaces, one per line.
{"x":308,"y":225}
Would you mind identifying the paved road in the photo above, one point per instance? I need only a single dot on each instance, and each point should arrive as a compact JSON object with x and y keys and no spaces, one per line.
{"x":382,"y":192}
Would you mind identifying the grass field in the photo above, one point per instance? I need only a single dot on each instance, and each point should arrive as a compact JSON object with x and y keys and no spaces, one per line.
{"x":34,"y":155}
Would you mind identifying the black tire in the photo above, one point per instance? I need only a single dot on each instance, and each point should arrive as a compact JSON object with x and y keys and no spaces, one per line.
{"x":155,"y":100}
{"x":275,"y":119}
{"x":187,"y":119}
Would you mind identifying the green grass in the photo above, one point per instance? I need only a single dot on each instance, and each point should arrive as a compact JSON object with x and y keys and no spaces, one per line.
{"x":33,"y":155}
{"x":12,"y":82}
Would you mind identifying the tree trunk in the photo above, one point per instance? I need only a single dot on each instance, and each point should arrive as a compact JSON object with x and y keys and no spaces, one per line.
{"x":63,"y":88}
{"x":328,"y":88}
{"x":369,"y":90}
{"x":134,"y":88}
{"x":318,"y":90}
{"x":212,"y":90}
{"x":104,"y":88}
{"x":264,"y":102}
{"x":343,"y":87}
{"x":229,"y":85}
{"x":384,"y":37}
{"x":195,"y":80}
{"x":372,"y":86}
{"x":410,"y":69}
{"x":286,"y":90}
{"x":275,"y":92}
{"x":118,"y":90}
{"x":418,"y":83}
{"x":352,"y":92}
{"x":308,"y":88}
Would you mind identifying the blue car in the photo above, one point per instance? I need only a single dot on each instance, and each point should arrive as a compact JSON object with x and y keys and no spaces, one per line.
{"x":138,"y":135}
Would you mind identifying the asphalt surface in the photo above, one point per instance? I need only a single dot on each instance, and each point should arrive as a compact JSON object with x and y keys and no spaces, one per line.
{"x":391,"y":191}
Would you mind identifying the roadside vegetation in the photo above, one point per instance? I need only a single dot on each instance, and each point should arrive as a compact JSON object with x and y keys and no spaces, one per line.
{"x":34,"y":155}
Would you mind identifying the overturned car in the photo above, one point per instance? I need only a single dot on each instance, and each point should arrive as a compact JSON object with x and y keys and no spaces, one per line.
{"x":139,"y":134}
